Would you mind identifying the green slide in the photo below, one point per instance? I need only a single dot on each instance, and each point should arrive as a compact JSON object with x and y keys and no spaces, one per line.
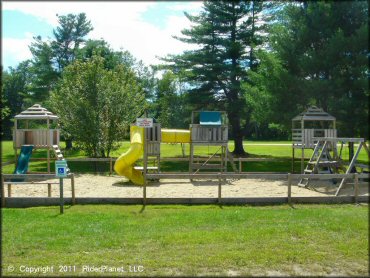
{"x":23,"y":160}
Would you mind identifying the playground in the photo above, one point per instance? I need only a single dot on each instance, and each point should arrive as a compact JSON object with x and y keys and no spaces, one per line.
{"x":137,"y":174}
{"x":174,"y":168}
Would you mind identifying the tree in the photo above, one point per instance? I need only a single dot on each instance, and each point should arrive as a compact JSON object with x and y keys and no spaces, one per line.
{"x":112,"y":58}
{"x":69,"y":35}
{"x":215,"y":70}
{"x":170,"y":105}
{"x":15,"y":84}
{"x":43,"y":73}
{"x":97,"y":105}
{"x":50,"y":57}
{"x":323,"y":47}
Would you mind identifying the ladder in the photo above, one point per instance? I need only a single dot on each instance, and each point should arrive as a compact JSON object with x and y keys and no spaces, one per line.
{"x":59,"y":155}
{"x":320,"y":157}
{"x":58,"y":152}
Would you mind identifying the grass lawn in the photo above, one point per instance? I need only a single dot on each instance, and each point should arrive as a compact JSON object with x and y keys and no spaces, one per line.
{"x":254,"y":148}
{"x":189,"y":240}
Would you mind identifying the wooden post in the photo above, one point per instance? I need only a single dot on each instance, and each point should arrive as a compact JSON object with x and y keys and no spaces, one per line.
{"x":73,"y":189}
{"x":15,"y":142}
{"x":144,"y":194}
{"x":219,"y":188}
{"x":2,"y":192}
{"x":16,"y":157}
{"x":351,"y":150}
{"x":302,"y":160}
{"x":191,"y":159}
{"x":289,"y":189}
{"x":49,"y":190}
{"x":356,"y":187}
{"x":145,"y":154}
{"x":293,"y":158}
{"x":9,"y":190}
{"x":61,"y":199}
{"x":240,"y":165}
{"x":48,"y":142}
{"x":110,"y":166}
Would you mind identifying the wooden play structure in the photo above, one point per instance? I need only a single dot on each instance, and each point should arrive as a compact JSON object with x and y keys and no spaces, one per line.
{"x":152,"y":150}
{"x":207,"y":128}
{"x":35,"y":128}
{"x":308,"y":125}
{"x":38,"y":127}
{"x":326,"y":159}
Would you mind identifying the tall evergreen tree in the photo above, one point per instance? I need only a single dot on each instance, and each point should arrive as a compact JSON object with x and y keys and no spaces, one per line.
{"x":226,"y":33}
{"x":50,"y":57}
{"x":69,"y":36}
{"x":43,"y":72}
{"x":323,"y":49}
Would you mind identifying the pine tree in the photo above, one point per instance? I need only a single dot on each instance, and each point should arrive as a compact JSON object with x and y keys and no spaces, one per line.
{"x":323,"y":47}
{"x":226,"y":33}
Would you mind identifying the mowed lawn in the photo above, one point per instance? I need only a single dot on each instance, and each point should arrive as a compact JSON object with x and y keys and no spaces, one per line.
{"x":187,"y":240}
{"x":280,"y":150}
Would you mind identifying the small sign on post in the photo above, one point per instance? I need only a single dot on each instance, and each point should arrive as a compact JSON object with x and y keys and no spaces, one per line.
{"x":61,"y":168}
{"x":144,"y":122}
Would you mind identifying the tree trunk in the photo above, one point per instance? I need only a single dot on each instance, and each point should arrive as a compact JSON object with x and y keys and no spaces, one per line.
{"x":237,"y":133}
{"x":69,"y":144}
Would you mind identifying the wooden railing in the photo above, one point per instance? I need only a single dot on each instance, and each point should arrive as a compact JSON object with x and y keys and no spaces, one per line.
{"x":305,"y":138}
{"x":40,"y":138}
{"x":212,"y":134}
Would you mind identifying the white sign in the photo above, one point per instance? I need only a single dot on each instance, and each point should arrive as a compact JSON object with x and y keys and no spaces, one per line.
{"x":61,"y":168}
{"x":144,"y":122}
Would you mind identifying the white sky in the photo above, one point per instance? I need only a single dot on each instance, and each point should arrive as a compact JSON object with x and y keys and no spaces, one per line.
{"x":119,"y":23}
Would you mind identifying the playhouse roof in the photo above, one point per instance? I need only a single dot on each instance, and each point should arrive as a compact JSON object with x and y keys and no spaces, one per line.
{"x":36,"y":112}
{"x":314,"y":113}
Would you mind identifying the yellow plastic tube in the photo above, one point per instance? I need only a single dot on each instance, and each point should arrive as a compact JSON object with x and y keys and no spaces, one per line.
{"x":175,"y":136}
{"x":124,"y":165}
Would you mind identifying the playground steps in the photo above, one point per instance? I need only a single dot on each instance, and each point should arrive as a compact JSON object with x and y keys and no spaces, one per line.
{"x":319,"y":163}
{"x":58,"y":152}
{"x":59,"y":155}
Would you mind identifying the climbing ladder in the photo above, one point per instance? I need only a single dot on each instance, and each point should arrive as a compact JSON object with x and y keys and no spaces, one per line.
{"x":318,"y":163}
{"x":58,"y":152}
{"x":59,"y":155}
{"x":322,"y":162}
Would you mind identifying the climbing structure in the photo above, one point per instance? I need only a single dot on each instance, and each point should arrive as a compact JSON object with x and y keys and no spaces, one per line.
{"x":307,"y":126}
{"x":326,"y":159}
{"x":209,"y":128}
{"x":36,"y":126}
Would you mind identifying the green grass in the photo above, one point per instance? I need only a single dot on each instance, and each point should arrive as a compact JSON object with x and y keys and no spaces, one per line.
{"x":190,"y":240}
{"x":282,"y":152}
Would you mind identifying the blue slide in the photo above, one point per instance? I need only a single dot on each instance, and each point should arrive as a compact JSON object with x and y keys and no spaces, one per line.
{"x":23,"y":160}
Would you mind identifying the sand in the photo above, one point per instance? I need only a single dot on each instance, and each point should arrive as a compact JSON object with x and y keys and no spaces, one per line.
{"x":88,"y":185}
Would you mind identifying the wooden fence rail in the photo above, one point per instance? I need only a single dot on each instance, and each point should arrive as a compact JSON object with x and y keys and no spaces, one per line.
{"x":7,"y":179}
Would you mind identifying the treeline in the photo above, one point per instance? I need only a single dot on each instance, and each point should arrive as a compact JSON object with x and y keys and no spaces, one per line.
{"x":261,"y":62}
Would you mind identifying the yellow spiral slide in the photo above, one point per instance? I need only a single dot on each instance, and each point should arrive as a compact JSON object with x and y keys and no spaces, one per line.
{"x":124,"y":165}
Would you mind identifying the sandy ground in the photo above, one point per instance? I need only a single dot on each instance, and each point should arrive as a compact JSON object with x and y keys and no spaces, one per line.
{"x":88,"y":185}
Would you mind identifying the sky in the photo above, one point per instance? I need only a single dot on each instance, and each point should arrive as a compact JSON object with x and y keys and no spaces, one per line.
{"x":144,"y":28}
